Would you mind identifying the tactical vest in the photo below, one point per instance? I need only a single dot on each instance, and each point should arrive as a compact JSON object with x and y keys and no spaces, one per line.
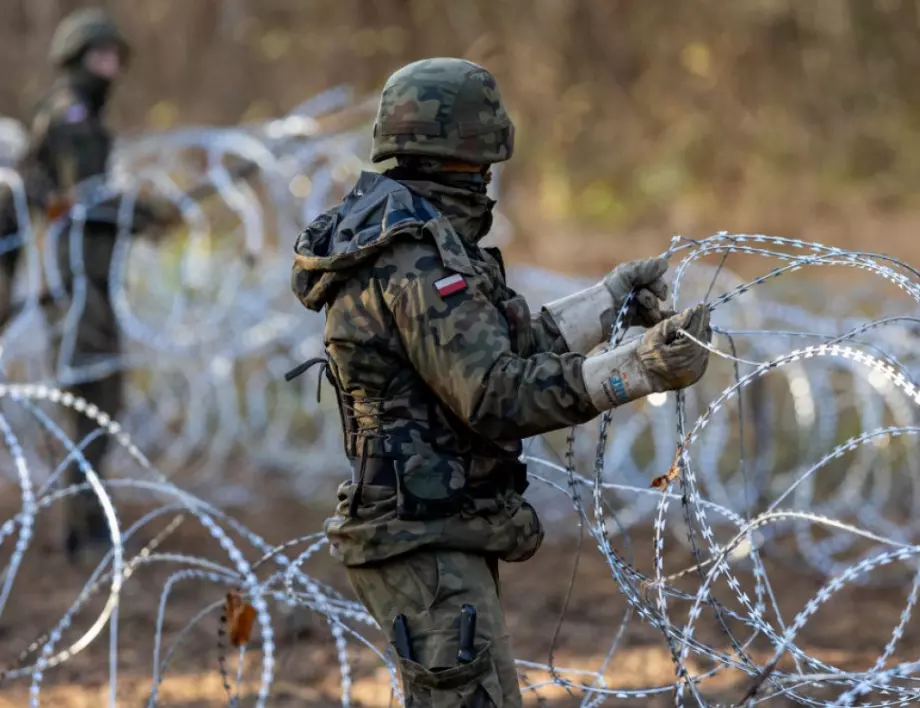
{"x":403,"y":436}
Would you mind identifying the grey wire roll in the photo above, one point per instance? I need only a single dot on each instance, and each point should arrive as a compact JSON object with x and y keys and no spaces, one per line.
{"x":800,"y":440}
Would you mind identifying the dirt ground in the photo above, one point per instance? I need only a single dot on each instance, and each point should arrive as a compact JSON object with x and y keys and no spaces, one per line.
{"x":850,"y":633}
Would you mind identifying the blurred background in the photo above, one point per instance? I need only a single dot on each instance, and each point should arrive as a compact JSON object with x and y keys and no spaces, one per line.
{"x":636,"y":120}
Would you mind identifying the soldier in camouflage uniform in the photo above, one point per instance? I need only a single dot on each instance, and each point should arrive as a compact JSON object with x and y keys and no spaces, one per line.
{"x":441,"y":370}
{"x":70,"y":143}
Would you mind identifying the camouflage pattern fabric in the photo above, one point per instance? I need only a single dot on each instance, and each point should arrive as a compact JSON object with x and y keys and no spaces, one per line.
{"x":443,"y":382}
{"x":97,"y":338}
{"x":446,"y":108}
{"x":441,"y":370}
{"x":505,"y":525}
{"x":69,"y":144}
{"x":429,"y":588}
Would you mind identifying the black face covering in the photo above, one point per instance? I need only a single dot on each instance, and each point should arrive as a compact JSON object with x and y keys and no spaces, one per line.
{"x":460,"y":196}
{"x":93,"y":89}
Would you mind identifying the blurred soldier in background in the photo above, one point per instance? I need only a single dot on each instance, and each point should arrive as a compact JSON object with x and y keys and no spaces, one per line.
{"x":441,"y":371}
{"x":68,"y":144}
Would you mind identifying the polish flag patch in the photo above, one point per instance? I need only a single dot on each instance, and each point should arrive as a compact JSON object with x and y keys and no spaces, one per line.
{"x":450,"y":285}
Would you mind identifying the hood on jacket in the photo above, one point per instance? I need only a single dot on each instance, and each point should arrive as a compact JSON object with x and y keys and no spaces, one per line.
{"x":376,"y":211}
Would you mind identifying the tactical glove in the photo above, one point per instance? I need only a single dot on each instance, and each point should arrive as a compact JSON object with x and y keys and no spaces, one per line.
{"x":646,"y":277}
{"x":663,"y":359}
{"x":585,"y":319}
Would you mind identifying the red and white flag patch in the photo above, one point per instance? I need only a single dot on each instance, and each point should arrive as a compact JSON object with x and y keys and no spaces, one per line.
{"x":450,"y":285}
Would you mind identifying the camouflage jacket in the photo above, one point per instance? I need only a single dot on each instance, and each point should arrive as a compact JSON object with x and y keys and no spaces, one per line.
{"x":69,"y":144}
{"x":69,"y":141}
{"x":442,"y":367}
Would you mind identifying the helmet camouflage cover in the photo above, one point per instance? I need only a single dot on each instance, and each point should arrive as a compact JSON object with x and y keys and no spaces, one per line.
{"x":443,"y":108}
{"x":83,"y":28}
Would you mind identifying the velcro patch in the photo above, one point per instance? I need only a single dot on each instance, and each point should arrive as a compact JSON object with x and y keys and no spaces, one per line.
{"x":76,"y":113}
{"x":450,"y":285}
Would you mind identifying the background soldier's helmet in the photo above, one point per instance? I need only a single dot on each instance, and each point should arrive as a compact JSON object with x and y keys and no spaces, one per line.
{"x":443,"y":108}
{"x":80,"y":30}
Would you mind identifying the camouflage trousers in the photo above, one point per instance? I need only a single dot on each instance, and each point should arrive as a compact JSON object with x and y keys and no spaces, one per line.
{"x":97,"y":337}
{"x":429,"y":588}
{"x":84,"y":518}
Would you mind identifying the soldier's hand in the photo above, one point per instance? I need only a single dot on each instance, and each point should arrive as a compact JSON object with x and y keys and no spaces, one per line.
{"x":672,"y":360}
{"x":664,"y":359}
{"x":645,"y":276}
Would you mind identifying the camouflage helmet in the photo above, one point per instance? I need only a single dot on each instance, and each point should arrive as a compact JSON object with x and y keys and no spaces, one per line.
{"x":81,"y":29}
{"x":444,"y":108}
